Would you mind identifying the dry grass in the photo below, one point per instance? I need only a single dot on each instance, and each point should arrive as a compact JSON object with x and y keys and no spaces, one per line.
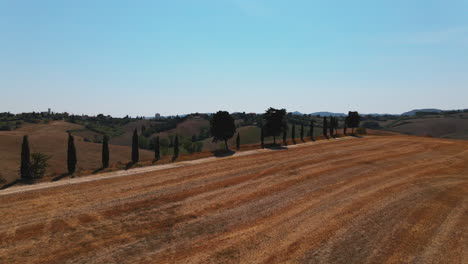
{"x":379,"y":199}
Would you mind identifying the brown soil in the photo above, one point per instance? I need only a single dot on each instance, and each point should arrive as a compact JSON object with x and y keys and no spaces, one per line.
{"x":385,"y":199}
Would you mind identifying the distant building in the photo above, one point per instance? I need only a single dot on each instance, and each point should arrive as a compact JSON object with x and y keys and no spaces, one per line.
{"x":157,"y":116}
{"x":48,"y":111}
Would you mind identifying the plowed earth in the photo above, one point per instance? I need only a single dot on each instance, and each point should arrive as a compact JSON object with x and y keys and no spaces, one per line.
{"x":387,"y":199}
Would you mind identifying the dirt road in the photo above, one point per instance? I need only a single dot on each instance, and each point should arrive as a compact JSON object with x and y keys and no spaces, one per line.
{"x":391,"y":199}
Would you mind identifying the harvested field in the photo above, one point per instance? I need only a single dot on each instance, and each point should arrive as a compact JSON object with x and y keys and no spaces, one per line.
{"x":378,"y":199}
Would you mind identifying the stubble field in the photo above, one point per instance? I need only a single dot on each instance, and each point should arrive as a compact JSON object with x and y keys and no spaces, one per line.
{"x":378,"y":199}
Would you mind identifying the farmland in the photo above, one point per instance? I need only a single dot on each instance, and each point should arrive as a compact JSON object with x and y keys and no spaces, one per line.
{"x":51,"y":139}
{"x":377,"y":199}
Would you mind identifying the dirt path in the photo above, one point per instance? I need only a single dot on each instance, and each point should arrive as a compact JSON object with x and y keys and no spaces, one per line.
{"x":392,"y":199}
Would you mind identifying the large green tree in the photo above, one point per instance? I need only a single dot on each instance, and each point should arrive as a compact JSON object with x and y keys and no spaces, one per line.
{"x":275,"y":122}
{"x":71,"y":154}
{"x":135,"y":150}
{"x":25,"y":169}
{"x":222,"y":127}
{"x":353,"y":120}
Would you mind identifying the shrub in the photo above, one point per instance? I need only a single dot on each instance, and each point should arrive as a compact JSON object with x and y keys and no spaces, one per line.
{"x":189,"y":146}
{"x":198,"y":146}
{"x":5,"y":127}
{"x":39,"y":164}
{"x":361,"y":130}
{"x":143,"y":142}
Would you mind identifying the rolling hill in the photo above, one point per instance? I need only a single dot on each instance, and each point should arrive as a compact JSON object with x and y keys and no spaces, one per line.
{"x":425,"y":110}
{"x":51,"y":139}
{"x":450,"y":126}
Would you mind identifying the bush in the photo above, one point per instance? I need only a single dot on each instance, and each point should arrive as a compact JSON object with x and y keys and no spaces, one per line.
{"x":361,"y":130}
{"x":143,"y":142}
{"x":188,"y":146}
{"x":39,"y":164}
{"x":5,"y":127}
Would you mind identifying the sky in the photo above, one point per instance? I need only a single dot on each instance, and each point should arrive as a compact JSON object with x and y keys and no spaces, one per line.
{"x":182,"y":56}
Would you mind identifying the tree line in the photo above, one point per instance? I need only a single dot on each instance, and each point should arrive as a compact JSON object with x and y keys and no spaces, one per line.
{"x":222,"y":128}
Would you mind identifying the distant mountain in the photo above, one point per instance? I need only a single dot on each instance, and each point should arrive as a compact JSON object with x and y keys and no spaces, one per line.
{"x":413,"y":112}
{"x":296,"y":113}
{"x":377,"y":114}
{"x":328,"y":114}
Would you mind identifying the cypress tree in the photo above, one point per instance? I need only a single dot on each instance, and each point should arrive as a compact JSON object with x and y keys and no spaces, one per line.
{"x":262,"y":138}
{"x":157,"y":152}
{"x":302,"y":132}
{"x":293,"y":134}
{"x":331,"y":125}
{"x":25,"y":169}
{"x":285,"y":135}
{"x":176,"y":148}
{"x":238,"y":141}
{"x":312,"y":130}
{"x":325,"y":127}
{"x":135,"y":150}
{"x":71,"y":154}
{"x":105,"y":152}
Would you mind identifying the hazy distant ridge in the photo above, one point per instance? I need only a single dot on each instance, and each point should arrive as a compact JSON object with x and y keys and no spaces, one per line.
{"x":413,"y":112}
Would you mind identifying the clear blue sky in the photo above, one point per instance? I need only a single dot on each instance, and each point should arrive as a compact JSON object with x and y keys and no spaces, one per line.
{"x":174,"y":56}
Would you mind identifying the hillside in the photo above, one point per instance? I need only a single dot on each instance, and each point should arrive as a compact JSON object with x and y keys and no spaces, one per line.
{"x":424,"y":110}
{"x":383,"y":199}
{"x":453,"y":126}
{"x":51,"y":139}
{"x":126,"y":138}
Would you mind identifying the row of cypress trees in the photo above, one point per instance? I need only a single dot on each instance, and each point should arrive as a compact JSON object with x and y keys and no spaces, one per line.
{"x":26,"y":171}
{"x":330,"y":128}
